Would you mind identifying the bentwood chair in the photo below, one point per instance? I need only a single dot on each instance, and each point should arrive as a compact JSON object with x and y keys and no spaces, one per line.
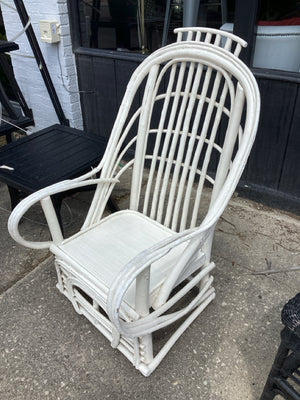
{"x":181,"y":139}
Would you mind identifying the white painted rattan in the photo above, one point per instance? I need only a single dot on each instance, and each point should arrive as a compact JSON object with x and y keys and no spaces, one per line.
{"x":198,"y":114}
{"x":224,"y":39}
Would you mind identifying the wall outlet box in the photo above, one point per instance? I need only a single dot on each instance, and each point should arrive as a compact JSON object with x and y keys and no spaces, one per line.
{"x":49,"y":31}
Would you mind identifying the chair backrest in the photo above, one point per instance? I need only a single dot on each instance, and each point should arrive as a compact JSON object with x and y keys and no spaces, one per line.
{"x":219,"y":38}
{"x":188,"y":117}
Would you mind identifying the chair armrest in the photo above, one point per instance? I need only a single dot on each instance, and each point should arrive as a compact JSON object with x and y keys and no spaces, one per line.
{"x":60,"y":187}
{"x":141,"y":262}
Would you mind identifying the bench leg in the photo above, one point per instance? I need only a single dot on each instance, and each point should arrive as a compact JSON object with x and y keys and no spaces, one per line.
{"x":112,"y":205}
{"x":15,"y":196}
{"x":57,"y":202}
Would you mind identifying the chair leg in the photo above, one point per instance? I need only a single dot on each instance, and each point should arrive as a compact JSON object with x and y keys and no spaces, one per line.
{"x":269,"y":390}
{"x":8,"y":137}
{"x":290,"y":365}
{"x":286,"y":363}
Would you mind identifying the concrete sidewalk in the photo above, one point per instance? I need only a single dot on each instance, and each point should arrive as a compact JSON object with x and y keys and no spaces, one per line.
{"x":50,"y":352}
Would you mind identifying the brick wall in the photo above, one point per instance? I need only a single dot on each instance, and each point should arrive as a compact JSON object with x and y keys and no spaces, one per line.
{"x":59,"y":59}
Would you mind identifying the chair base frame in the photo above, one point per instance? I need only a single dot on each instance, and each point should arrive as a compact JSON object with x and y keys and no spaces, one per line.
{"x":132,"y":348}
{"x":286,"y":362}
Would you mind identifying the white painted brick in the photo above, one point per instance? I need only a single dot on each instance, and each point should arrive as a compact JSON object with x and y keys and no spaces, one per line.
{"x":72,"y":87}
{"x":70,"y":70}
{"x":74,"y":98}
{"x":66,"y":40}
{"x":64,"y":20}
{"x":66,"y":51}
{"x":74,"y":106}
{"x":77,"y":113}
{"x":65,"y":30}
{"x":62,"y":8}
{"x":67,"y":60}
{"x":77,"y":124}
{"x":27,"y":71}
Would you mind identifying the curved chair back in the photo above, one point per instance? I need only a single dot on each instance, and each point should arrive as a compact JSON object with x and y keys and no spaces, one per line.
{"x":188,"y":118}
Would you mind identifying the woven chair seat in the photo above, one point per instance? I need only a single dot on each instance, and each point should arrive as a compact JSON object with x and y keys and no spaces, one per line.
{"x":284,"y":376}
{"x":290,"y":315}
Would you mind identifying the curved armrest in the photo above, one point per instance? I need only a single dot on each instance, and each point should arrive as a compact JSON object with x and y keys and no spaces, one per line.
{"x":28,"y":202}
{"x":135,"y":267}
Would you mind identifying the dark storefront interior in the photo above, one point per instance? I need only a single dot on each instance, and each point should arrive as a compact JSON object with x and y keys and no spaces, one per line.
{"x":111,"y":37}
{"x":140,"y":26}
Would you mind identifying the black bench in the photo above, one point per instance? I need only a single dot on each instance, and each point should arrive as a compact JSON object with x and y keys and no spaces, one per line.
{"x":46,"y":157}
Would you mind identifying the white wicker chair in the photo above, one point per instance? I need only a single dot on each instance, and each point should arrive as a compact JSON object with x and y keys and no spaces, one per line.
{"x":199,"y":113}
